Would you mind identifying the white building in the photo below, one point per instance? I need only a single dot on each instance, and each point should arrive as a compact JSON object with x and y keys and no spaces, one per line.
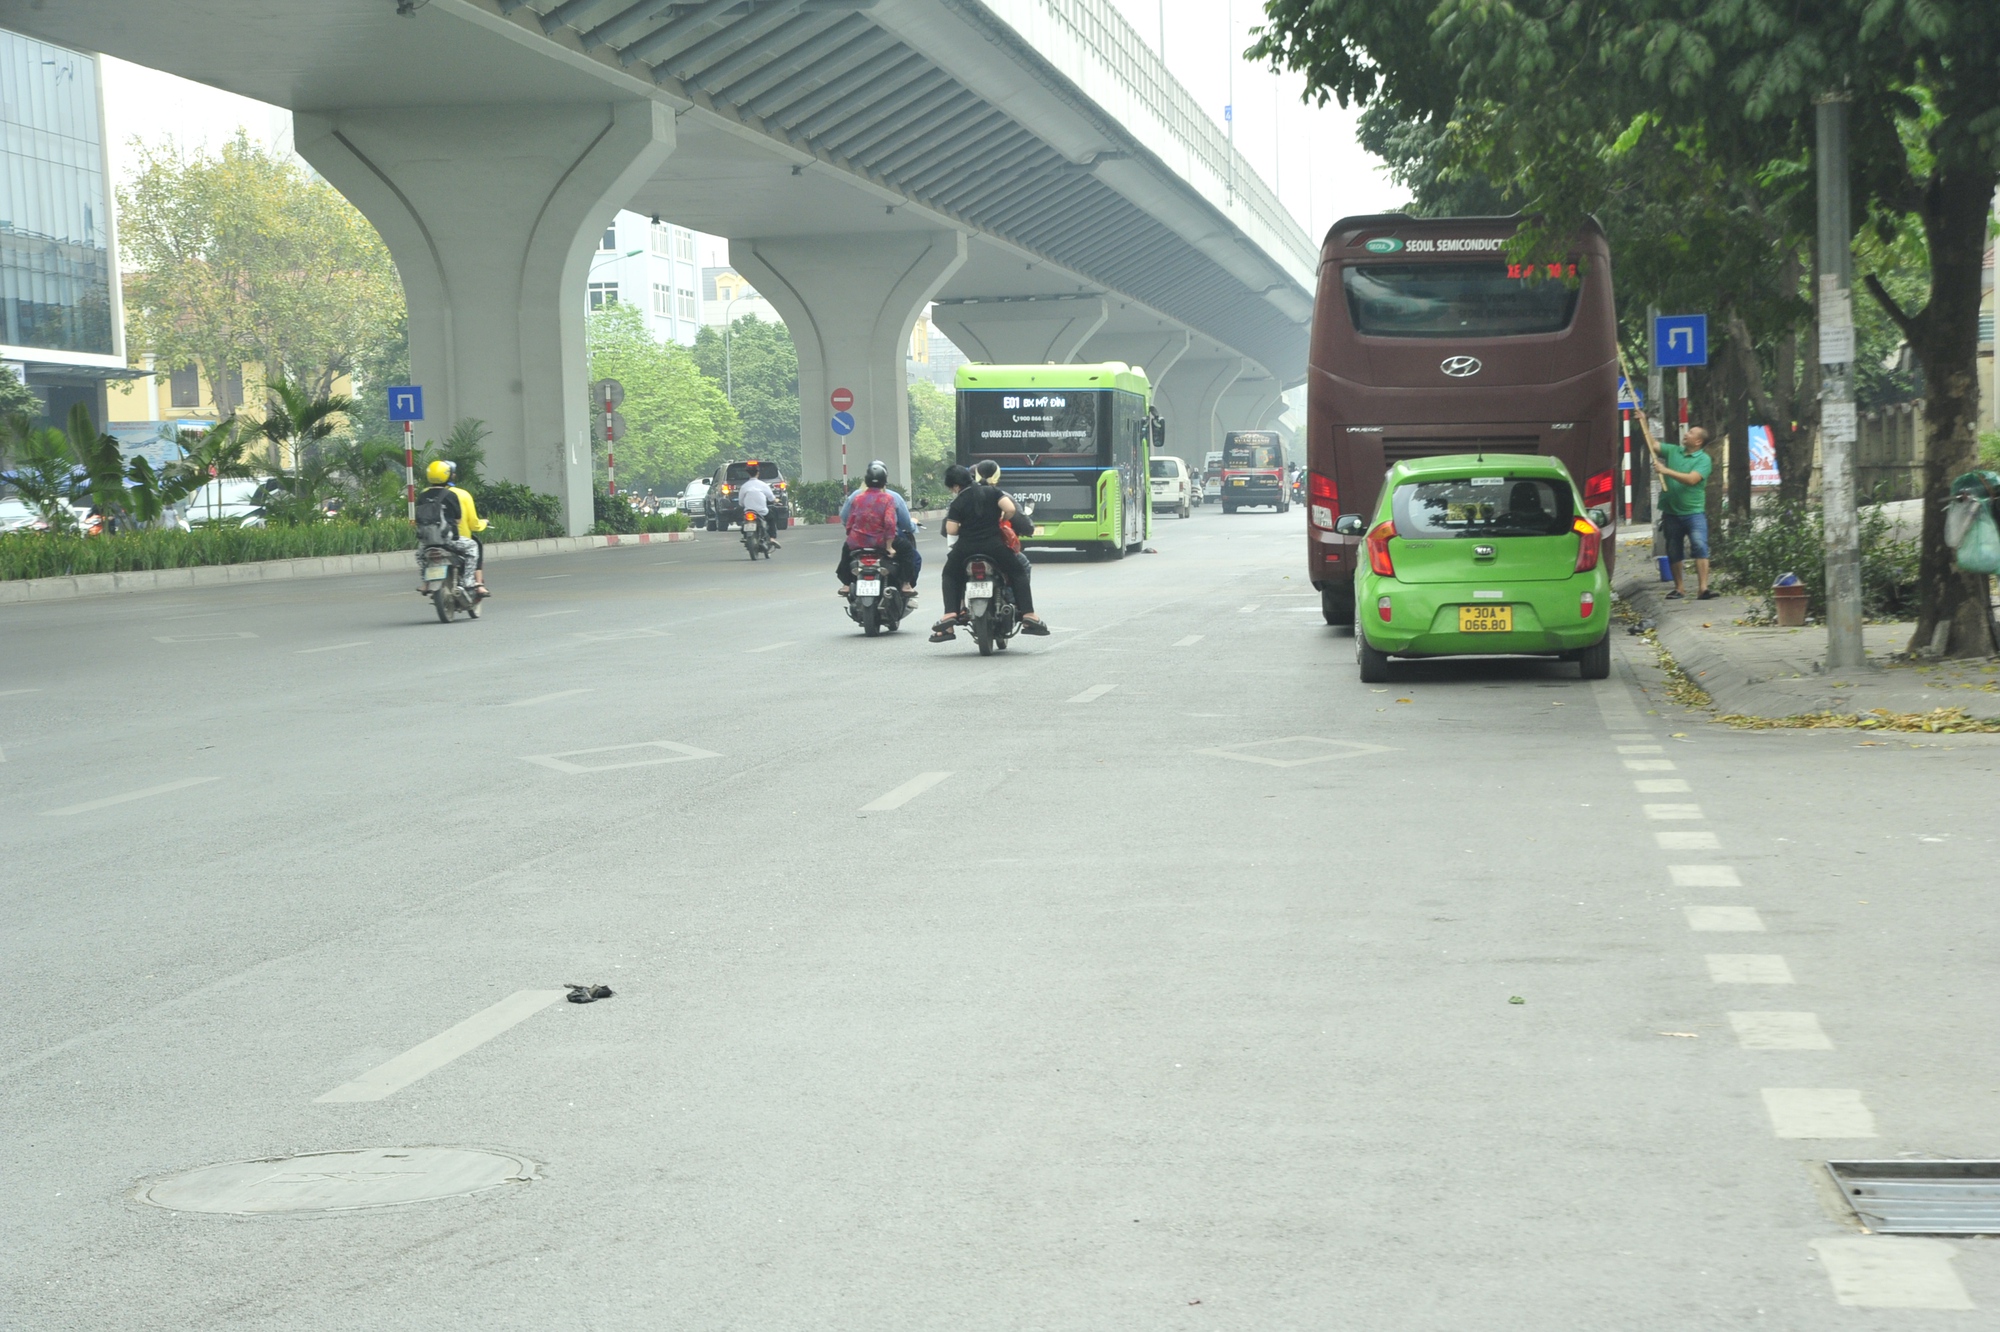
{"x":650,"y":264}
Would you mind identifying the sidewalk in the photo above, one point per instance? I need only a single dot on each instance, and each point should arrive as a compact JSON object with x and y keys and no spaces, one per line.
{"x":1760,"y":671}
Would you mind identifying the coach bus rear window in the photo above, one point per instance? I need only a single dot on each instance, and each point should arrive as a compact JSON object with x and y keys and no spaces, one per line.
{"x":1469,"y":300}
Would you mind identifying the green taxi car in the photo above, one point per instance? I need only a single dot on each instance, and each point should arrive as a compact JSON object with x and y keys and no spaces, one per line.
{"x":1484,"y":555}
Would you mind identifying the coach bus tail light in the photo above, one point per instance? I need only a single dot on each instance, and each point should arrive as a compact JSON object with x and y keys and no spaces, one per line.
{"x":1588,"y":546}
{"x":1378,"y":549}
{"x":1587,"y":605}
{"x":1599,"y":491}
{"x":1323,"y":497}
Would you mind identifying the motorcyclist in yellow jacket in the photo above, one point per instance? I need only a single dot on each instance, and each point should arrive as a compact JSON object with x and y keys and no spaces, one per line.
{"x":464,"y":515}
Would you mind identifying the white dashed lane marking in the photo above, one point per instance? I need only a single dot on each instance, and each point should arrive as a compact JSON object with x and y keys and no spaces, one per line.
{"x":1725,"y":919}
{"x":1189,"y":641}
{"x":107,"y":801}
{"x":435,"y":1053}
{"x":1749,"y":969}
{"x":1662,"y":786}
{"x":1092,"y":694}
{"x":1779,"y":1031}
{"x":1704,"y":876}
{"x":546,"y":698}
{"x":1649,"y":765}
{"x":1892,"y":1272}
{"x":1687,"y":841}
{"x":333,"y":647}
{"x":905,"y":793}
{"x":1818,"y":1112}
{"x":1673,"y":812}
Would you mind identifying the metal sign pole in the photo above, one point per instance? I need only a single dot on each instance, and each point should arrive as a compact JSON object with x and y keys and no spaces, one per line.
{"x":410,"y":471}
{"x":1681,"y":434}
{"x":1625,"y":427}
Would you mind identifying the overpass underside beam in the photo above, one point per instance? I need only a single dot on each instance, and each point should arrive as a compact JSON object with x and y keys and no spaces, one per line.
{"x":1030,"y":331}
{"x":492,"y":214}
{"x":1187,"y":397}
{"x":850,"y":303}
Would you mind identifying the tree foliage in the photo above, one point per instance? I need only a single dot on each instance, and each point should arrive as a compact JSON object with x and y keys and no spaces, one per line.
{"x":677,"y":420}
{"x":16,"y":398}
{"x":761,"y":374}
{"x":1556,"y":97}
{"x":246,"y":255}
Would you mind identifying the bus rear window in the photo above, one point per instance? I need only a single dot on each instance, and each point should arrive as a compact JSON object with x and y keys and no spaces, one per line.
{"x":1264,"y":456}
{"x":1454,"y":300}
{"x":1482,"y":506}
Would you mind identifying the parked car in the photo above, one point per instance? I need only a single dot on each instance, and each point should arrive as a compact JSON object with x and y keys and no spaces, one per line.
{"x":1171,"y":485}
{"x":692,"y":497}
{"x":1481,"y":555}
{"x":232,"y":499}
{"x":724,"y":507}
{"x":17,"y":516}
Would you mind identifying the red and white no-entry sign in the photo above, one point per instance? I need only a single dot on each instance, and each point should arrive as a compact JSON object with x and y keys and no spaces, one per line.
{"x":842,"y":399}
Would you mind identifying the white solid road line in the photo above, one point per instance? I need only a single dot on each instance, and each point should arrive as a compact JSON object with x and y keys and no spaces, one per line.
{"x":546,"y":698}
{"x":1818,"y":1112}
{"x":1724,"y":919}
{"x":9,"y":693}
{"x":773,"y":647}
{"x":905,"y":793}
{"x":1704,"y":876}
{"x":543,"y":615}
{"x":1892,"y":1272}
{"x":200,"y":638}
{"x":1687,"y":841}
{"x":109,"y":801}
{"x":1190,"y":640}
{"x":1749,"y":969}
{"x":1092,"y":694}
{"x":439,"y":1050}
{"x":333,"y":647}
{"x":1779,"y":1031}
{"x":543,"y":578}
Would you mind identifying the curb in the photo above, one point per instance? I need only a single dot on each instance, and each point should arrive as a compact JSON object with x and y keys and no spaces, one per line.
{"x":312,"y":566}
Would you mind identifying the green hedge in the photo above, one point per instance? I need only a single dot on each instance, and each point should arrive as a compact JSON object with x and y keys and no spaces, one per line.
{"x":48,"y":555}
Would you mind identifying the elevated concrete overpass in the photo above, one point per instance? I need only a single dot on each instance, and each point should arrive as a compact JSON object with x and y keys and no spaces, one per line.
{"x":1029,"y":165}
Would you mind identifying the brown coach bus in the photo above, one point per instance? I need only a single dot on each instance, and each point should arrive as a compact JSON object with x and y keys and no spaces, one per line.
{"x":1426,"y":340}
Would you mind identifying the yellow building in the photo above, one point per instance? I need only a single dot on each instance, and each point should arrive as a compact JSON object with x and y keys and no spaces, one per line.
{"x":148,"y":413}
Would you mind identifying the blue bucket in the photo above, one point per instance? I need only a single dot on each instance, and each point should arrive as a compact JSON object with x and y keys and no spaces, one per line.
{"x":1666,"y":570}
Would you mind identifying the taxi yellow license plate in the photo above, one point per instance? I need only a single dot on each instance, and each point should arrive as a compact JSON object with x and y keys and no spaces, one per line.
{"x":1485,"y":619}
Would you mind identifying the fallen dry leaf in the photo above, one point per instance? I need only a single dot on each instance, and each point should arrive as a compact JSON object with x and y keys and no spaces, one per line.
{"x":1690,"y":1035}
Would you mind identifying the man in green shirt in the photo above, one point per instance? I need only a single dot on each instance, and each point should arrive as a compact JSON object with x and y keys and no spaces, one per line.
{"x":1684,"y":470}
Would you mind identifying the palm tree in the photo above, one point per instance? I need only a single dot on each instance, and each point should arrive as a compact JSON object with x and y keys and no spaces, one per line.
{"x":294,"y":417}
{"x":43,"y":472}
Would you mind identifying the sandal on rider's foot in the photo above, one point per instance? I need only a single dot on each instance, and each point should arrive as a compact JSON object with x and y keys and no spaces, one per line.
{"x":943,"y":631}
{"x":481,"y":591}
{"x":845,"y":588}
{"x":1035,"y":627}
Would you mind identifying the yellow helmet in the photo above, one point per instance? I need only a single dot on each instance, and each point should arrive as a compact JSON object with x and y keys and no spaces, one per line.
{"x":439,"y":472}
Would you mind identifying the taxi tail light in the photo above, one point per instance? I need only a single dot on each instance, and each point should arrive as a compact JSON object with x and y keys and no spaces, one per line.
{"x":1378,"y":549}
{"x":1587,"y":607}
{"x":1383,"y":608}
{"x":1589,"y":544}
{"x":1597,"y":490}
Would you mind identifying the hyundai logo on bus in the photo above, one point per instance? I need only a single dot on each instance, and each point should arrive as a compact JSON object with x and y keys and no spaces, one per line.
{"x":1461,"y":367}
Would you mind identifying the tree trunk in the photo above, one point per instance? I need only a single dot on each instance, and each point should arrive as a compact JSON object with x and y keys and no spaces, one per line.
{"x":1945,"y":338}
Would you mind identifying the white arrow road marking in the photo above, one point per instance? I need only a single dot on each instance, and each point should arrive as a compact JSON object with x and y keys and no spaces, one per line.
{"x":439,"y":1050}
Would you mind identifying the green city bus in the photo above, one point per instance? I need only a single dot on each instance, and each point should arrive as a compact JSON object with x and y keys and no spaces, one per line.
{"x":1072,"y":441}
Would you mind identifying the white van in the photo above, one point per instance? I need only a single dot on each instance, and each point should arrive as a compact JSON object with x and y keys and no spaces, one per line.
{"x":1170,"y":481}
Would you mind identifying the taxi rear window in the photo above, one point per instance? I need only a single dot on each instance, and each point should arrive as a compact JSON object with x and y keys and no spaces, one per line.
{"x":1482,"y":506}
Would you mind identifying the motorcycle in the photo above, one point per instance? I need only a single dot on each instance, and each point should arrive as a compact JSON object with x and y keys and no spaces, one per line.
{"x":875,"y":598}
{"x":756,"y":536}
{"x":989,"y":606}
{"x":443,"y":571}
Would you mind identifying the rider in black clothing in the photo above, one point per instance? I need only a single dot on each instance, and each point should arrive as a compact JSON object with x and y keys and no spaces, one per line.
{"x":974,"y":517}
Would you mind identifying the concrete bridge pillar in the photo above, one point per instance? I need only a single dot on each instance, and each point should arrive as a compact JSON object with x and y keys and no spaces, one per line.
{"x":1188,"y":397}
{"x":851,"y":303}
{"x":492,"y":214}
{"x":1028,"y":331}
{"x":1250,"y":404}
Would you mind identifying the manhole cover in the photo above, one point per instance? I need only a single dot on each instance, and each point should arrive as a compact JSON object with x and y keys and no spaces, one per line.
{"x":337,"y":1181}
{"x":1922,"y":1197}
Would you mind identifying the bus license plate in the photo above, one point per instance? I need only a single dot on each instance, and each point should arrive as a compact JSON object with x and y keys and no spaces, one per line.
{"x":979,"y":589}
{"x":869,"y":587}
{"x":1486,"y":619}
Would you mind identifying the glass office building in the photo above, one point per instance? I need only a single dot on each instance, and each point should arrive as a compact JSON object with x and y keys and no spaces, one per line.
{"x":60,"y":315}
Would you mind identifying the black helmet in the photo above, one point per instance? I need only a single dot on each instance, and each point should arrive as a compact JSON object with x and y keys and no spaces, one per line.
{"x":877,"y":474}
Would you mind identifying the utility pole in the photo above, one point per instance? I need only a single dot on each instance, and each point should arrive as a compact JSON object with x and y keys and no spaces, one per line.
{"x":1837,"y":424}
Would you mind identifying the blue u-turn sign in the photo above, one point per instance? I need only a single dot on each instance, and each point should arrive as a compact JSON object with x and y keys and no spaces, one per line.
{"x":406,"y":402}
{"x":1680,"y":340}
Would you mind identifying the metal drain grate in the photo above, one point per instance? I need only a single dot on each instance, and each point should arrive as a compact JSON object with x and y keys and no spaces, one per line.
{"x":1922,"y":1197}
